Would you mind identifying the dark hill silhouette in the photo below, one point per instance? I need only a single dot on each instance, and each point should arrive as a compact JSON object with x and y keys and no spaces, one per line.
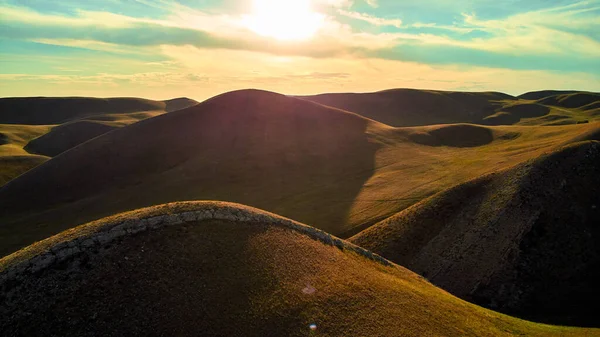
{"x":179,"y":104}
{"x":536,"y":95}
{"x":411,"y":107}
{"x":215,"y":269}
{"x":58,"y":110}
{"x":571,"y":101}
{"x":524,"y":241}
{"x":67,"y":136}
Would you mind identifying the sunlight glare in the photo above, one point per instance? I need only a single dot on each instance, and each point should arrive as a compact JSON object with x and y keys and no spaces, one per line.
{"x":284,"y":20}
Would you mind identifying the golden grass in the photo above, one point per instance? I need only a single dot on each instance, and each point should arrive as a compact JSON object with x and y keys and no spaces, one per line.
{"x":517,"y":240}
{"x":230,"y":278}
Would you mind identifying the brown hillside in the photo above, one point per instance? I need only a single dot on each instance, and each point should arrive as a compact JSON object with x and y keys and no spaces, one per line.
{"x":179,"y":104}
{"x":13,"y":166}
{"x":215,"y":269}
{"x":332,"y":169}
{"x":571,"y":101}
{"x":51,"y":110}
{"x":456,"y":135}
{"x":524,"y":241}
{"x":14,"y":160}
{"x":46,"y":110}
{"x":67,"y":136}
{"x":411,"y":107}
{"x":536,"y":95}
{"x":255,"y":147}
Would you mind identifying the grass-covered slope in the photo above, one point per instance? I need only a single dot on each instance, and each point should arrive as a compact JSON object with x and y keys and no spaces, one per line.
{"x":329,"y":168}
{"x":14,"y":160}
{"x":536,"y":95}
{"x":67,"y":136}
{"x":283,"y":154}
{"x":33,"y":128}
{"x":412,"y":107}
{"x":214,"y":269}
{"x":49,"y":110}
{"x":58,"y":110}
{"x":524,"y":241}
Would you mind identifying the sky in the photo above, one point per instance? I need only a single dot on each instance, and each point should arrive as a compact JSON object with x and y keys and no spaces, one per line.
{"x":200,"y":48}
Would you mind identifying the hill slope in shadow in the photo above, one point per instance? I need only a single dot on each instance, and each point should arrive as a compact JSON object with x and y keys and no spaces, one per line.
{"x":29,"y":133}
{"x":524,"y":241}
{"x":14,"y":160}
{"x":253,"y":147}
{"x":67,"y":136}
{"x":220,"y":269}
{"x":51,"y":110}
{"x":412,"y":107}
{"x":323,"y":166}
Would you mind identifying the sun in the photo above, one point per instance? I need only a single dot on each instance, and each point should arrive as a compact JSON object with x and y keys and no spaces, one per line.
{"x":286,"y":20}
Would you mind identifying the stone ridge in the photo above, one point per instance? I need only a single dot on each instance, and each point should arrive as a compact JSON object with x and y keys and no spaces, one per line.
{"x":106,"y":233}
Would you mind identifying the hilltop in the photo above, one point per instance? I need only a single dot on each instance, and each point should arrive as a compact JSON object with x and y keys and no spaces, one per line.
{"x":323,"y":166}
{"x":226,"y":270}
{"x":412,"y":107}
{"x":523,"y":241}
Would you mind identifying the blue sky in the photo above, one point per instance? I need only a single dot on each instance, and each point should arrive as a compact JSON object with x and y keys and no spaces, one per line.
{"x":200,"y":48}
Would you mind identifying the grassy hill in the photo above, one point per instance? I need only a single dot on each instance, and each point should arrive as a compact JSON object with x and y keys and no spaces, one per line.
{"x":14,"y":160}
{"x":326,"y":167}
{"x":536,"y":95}
{"x":227,"y":270}
{"x":35,"y":128}
{"x":523,"y":241}
{"x":411,"y":107}
{"x":67,"y":136}
{"x":50,"y":110}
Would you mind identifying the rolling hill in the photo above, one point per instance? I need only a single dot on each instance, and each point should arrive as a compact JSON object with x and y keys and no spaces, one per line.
{"x":326,"y":167}
{"x":411,"y":107}
{"x":67,"y":136}
{"x":536,"y":95}
{"x":50,"y":110}
{"x":35,"y":128}
{"x":227,"y":270}
{"x":14,"y":160}
{"x":524,"y":241}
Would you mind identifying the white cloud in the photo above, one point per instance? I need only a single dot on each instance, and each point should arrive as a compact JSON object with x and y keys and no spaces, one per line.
{"x":376,"y":21}
{"x":372,"y":3}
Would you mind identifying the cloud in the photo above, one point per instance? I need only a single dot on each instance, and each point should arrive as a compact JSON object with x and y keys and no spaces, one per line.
{"x":195,"y":74}
{"x":551,"y":39}
{"x":372,"y":19}
{"x":372,"y":3}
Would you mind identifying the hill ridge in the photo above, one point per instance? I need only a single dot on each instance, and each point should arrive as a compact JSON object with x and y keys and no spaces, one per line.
{"x":103,"y":232}
{"x":519,"y":240}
